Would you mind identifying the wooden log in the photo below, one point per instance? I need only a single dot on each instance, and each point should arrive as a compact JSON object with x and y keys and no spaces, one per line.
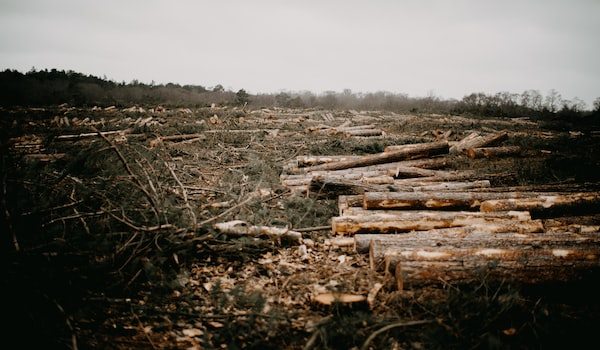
{"x":470,"y":238}
{"x":489,"y":152}
{"x":347,"y":201}
{"x":424,"y":150}
{"x":400,"y":171}
{"x":454,"y":186}
{"x":363,"y":132}
{"x":460,"y":145}
{"x":528,"y":264}
{"x":485,"y":141}
{"x":333,"y":187}
{"x":239,"y":228}
{"x":565,"y":203}
{"x":304,"y":161}
{"x":464,"y":175}
{"x":301,"y":162}
{"x":182,"y":137}
{"x":411,"y":147}
{"x":435,"y":200}
{"x":406,"y":221}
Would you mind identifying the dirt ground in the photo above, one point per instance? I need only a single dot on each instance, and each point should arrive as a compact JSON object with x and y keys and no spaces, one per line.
{"x":110,"y":241}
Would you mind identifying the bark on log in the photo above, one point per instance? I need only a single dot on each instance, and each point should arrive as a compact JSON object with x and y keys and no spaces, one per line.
{"x":466,"y":265}
{"x":424,"y":150}
{"x":465,"y":238}
{"x":412,"y":147}
{"x":454,"y":186}
{"x":347,"y":201}
{"x":308,"y":161}
{"x":407,"y":172}
{"x":484,"y":141}
{"x":363,"y":132}
{"x":333,"y":187}
{"x":563,"y":203}
{"x":460,"y":145}
{"x":406,"y":221}
{"x":239,"y":227}
{"x":435,"y":200}
{"x":489,"y":152}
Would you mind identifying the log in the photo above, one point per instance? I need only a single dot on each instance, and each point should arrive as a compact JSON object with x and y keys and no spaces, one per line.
{"x":406,"y":221}
{"x":400,"y":171}
{"x":554,"y":203}
{"x":454,"y":186}
{"x":411,"y":147}
{"x":469,"y":238}
{"x":527,"y":264}
{"x":459,"y":146}
{"x":242,"y":228}
{"x":436,"y":200}
{"x":363,"y":132}
{"x":490,"y":152}
{"x":333,"y":187}
{"x":422,"y":151}
{"x":482,"y":141}
{"x":347,"y":201}
{"x":307,"y":161}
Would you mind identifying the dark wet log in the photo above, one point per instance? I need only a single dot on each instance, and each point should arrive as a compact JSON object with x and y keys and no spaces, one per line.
{"x":490,"y":152}
{"x":417,"y":151}
{"x":333,"y":187}
{"x":363,"y":132}
{"x":406,"y":221}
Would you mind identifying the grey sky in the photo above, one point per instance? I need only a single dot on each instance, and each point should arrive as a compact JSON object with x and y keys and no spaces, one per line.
{"x":450,"y":48}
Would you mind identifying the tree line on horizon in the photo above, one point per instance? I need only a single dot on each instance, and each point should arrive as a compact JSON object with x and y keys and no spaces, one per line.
{"x":54,"y":87}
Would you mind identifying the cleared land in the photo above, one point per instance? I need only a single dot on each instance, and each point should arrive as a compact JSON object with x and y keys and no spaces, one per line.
{"x":229,"y":228}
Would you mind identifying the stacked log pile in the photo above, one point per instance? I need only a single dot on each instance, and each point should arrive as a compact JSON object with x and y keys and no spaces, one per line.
{"x":422,"y":224}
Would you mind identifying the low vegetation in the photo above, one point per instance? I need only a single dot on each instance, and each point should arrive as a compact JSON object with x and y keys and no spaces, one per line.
{"x":108,"y":220}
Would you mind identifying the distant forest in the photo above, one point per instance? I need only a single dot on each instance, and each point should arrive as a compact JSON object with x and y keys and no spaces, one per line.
{"x":54,"y":87}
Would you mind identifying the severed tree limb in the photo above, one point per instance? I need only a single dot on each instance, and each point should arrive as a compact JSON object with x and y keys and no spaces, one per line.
{"x":423,"y":150}
{"x":185,"y":198}
{"x":373,"y":335}
{"x":239,"y":227}
{"x":489,"y":152}
{"x":135,"y":178}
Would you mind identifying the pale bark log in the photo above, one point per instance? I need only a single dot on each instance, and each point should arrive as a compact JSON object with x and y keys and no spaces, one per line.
{"x":435,"y":200}
{"x":406,"y":221}
{"x":489,"y":152}
{"x":464,"y":265}
{"x":400,"y":171}
{"x":468,"y":238}
{"x":454,"y":186}
{"x":553,"y":202}
{"x":460,"y":145}
{"x":480,"y":141}
{"x":424,"y":150}
{"x":308,"y":161}
{"x":239,"y":227}
{"x":411,"y":147}
{"x":347,"y":201}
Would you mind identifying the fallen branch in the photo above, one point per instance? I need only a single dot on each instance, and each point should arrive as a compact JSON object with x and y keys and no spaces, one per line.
{"x":242,"y":228}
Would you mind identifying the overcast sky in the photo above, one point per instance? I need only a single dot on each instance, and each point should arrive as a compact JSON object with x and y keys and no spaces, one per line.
{"x":449,"y":48}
